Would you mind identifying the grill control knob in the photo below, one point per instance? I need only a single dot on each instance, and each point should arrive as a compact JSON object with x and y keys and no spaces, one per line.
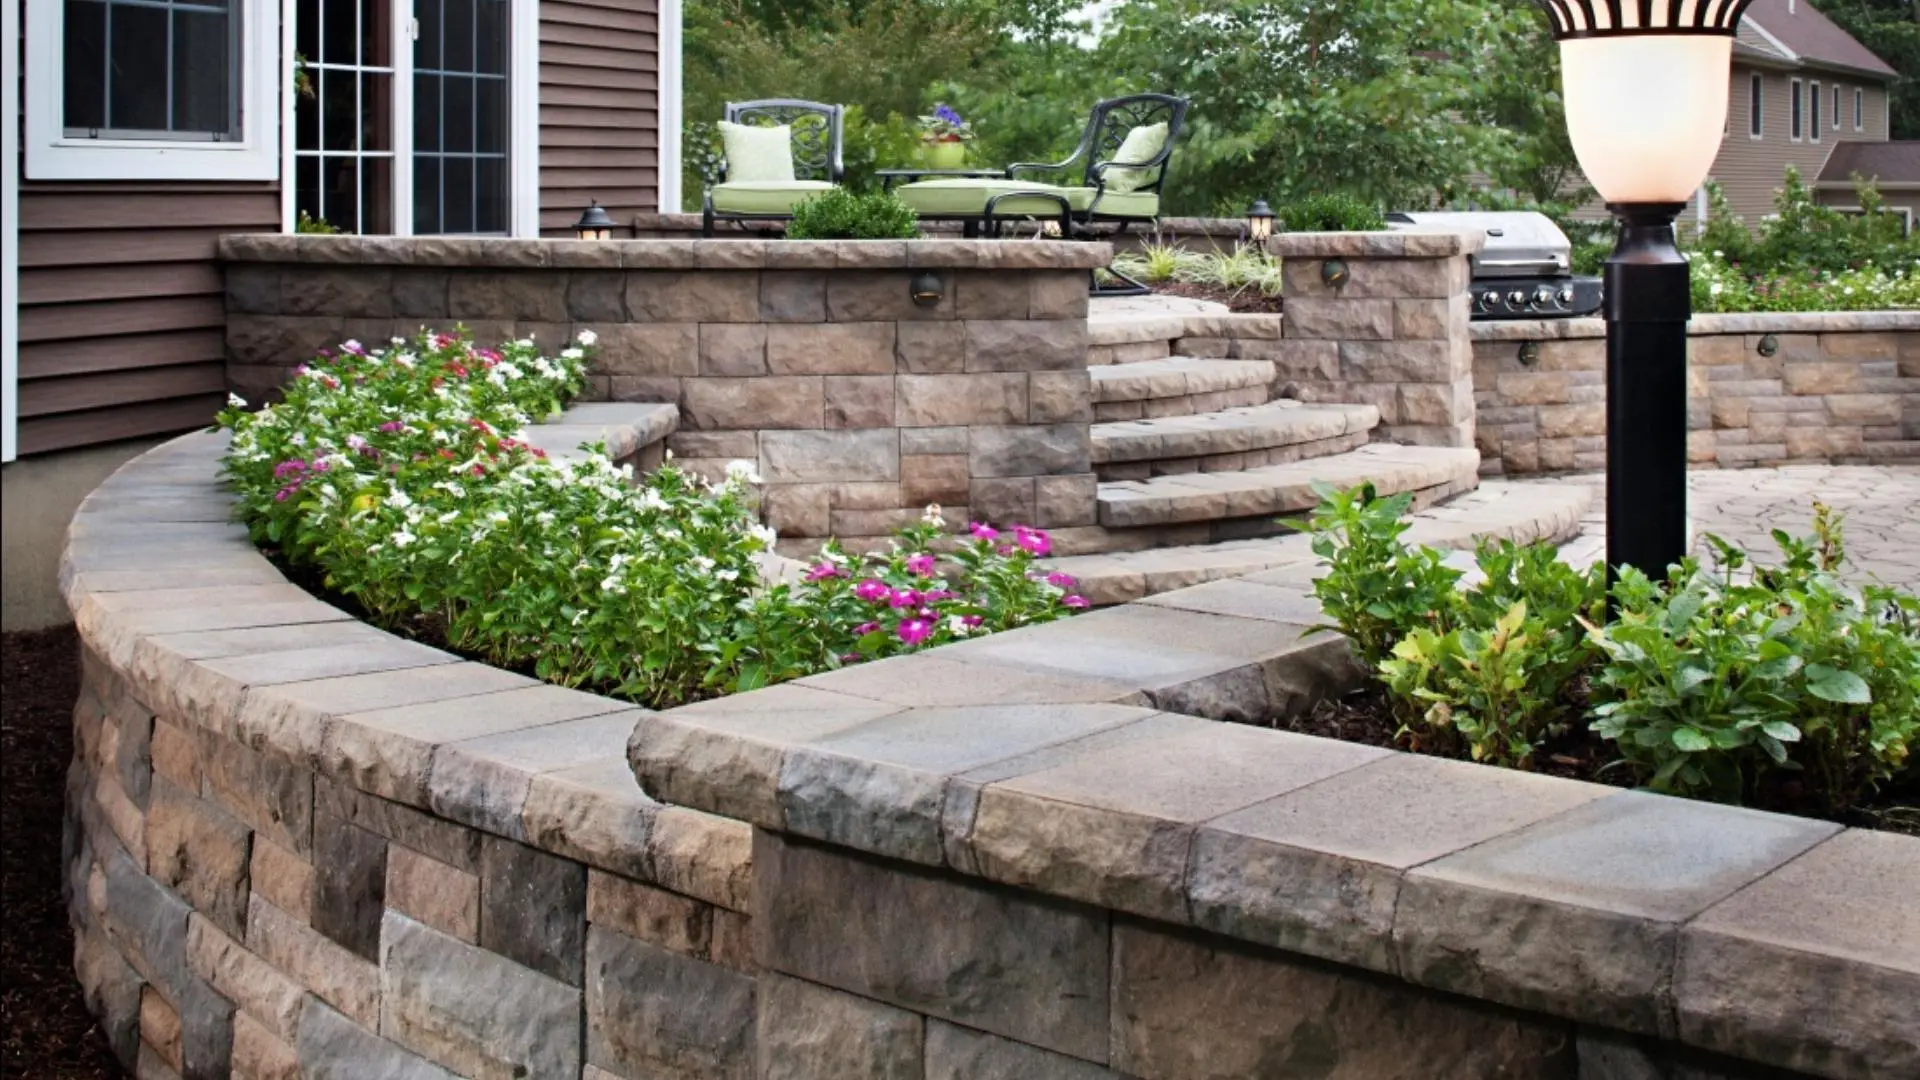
{"x":1566,"y":295}
{"x":1543,"y":297}
{"x":1517,"y":299}
{"x":1489,"y":300}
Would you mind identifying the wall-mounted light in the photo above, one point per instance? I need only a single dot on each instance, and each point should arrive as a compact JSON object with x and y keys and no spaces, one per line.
{"x":1259,"y":221}
{"x":1769,"y":345}
{"x":1333,"y":273}
{"x":1529,"y":353}
{"x":926,"y":289}
{"x":594,"y":224}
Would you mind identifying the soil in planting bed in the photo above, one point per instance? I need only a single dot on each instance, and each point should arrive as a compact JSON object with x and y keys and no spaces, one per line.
{"x":1240,"y":301}
{"x":45,"y":1030}
{"x":1365,"y":716}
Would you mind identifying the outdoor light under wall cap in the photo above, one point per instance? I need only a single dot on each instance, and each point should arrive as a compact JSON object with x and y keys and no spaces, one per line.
{"x":926,"y":288}
{"x":594,"y":224}
{"x":1333,"y":273}
{"x":1645,"y":88}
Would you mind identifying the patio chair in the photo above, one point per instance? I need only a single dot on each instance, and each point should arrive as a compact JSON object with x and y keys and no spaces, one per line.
{"x":1124,"y":154}
{"x":773,"y":174}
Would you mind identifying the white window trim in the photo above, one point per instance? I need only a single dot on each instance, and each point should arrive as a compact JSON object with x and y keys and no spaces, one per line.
{"x":1813,"y":114}
{"x":1757,"y":103}
{"x":1797,"y":112}
{"x":51,"y":155}
{"x":9,"y":236}
{"x":523,"y":80}
{"x":671,"y":104}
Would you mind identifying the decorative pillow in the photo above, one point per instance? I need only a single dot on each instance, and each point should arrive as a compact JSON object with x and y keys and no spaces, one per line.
{"x":1141,"y":144}
{"x":757,"y":154}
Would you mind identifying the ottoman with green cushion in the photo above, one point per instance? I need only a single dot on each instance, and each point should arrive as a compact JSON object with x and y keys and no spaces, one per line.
{"x":967,"y":198}
{"x":764,"y":196}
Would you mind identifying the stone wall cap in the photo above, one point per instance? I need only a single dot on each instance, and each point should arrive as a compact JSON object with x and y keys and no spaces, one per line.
{"x":750,"y":253}
{"x":1386,"y":244}
{"x":1754,"y":322}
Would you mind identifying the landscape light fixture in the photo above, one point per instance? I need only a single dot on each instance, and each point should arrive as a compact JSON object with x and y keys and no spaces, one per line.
{"x":1644,"y":83}
{"x":594,"y":224}
{"x":1259,"y":221}
{"x":926,"y":288}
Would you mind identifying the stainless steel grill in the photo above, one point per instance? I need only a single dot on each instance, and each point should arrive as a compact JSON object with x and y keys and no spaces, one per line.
{"x":1525,"y":269}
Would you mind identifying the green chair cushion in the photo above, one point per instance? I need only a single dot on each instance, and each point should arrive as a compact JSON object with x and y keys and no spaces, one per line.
{"x":765,"y":196}
{"x":968,"y":198}
{"x":1141,"y":144}
{"x":757,"y":154}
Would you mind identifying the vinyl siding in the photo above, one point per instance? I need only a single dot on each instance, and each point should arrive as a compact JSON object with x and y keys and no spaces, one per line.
{"x":1750,"y":170}
{"x":121,"y":306}
{"x":599,"y":109}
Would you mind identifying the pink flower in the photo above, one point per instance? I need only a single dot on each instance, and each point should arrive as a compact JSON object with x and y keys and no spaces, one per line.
{"x":289,"y":468}
{"x":1061,"y":581}
{"x":393,"y":425}
{"x":1032,"y":541}
{"x":353,"y":347}
{"x":904,"y":598}
{"x":866,"y":628}
{"x":980,"y":530}
{"x":971,"y":621}
{"x":851,"y":658}
{"x":823,"y":571}
{"x":920,"y":564}
{"x":1075,"y":601}
{"x":281,"y":495}
{"x":872,"y":590}
{"x":938,"y":595}
{"x":916,"y":630}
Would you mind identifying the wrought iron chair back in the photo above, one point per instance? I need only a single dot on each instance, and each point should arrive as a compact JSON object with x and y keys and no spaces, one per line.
{"x":1107,"y":128}
{"x":818,"y":132}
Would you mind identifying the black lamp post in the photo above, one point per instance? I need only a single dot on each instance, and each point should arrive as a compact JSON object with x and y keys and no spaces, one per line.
{"x":1645,"y":86}
{"x":594,"y":224}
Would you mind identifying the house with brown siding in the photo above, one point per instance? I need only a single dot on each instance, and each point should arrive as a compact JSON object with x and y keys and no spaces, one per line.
{"x":147,"y":128}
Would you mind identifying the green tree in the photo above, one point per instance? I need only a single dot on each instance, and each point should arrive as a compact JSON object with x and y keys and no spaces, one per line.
{"x":1891,"y":28}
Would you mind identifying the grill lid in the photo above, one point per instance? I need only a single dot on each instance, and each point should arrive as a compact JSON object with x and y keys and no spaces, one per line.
{"x":1520,"y":243}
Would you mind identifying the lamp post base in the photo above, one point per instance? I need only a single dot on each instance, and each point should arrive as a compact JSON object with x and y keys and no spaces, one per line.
{"x":1648,"y":303}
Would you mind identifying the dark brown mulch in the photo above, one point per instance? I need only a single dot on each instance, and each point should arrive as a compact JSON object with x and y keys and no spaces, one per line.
{"x":1365,"y":716}
{"x":45,"y":1029}
{"x":1244,"y":301}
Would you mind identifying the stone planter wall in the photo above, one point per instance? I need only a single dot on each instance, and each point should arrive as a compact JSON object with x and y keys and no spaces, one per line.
{"x":302,"y":848}
{"x":859,"y":406}
{"x":1840,"y":388}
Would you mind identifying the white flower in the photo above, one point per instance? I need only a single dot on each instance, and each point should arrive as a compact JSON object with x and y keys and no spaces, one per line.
{"x":958,"y":626}
{"x":765,"y":535}
{"x":588,"y":337}
{"x":567,"y":354}
{"x":1715,"y":290}
{"x":932,"y":515}
{"x":236,"y":401}
{"x":399,"y":500}
{"x":403,"y":538}
{"x":544,"y":517}
{"x":742,"y":471}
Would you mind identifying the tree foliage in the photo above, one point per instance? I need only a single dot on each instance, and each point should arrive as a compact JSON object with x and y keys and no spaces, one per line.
{"x":1891,"y":28}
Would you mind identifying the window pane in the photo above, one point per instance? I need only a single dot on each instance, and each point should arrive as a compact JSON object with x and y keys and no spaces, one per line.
{"x":1757,"y":123}
{"x":426,"y":52}
{"x":426,"y":195}
{"x":490,"y":183}
{"x":459,"y":35}
{"x":1813,"y":118}
{"x":137,"y":86}
{"x":459,"y":115}
{"x":339,"y":177}
{"x":306,"y":186}
{"x":339,"y":37}
{"x":376,"y":107}
{"x":490,"y":115}
{"x":306,"y":30}
{"x":84,"y":89}
{"x":306,"y":116}
{"x":426,"y":112}
{"x":376,"y":195}
{"x":457,"y":213}
{"x":339,"y":110}
{"x":490,"y":36}
{"x":200,"y":43}
{"x":376,"y":31}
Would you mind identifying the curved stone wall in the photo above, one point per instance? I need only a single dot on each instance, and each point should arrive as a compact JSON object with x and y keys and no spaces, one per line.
{"x":1839,"y":388}
{"x":303,"y":848}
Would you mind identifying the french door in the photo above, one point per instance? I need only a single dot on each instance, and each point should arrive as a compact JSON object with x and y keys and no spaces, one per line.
{"x":403,"y":115}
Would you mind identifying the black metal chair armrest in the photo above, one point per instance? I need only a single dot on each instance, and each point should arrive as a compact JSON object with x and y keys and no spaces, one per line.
{"x":1037,"y":166}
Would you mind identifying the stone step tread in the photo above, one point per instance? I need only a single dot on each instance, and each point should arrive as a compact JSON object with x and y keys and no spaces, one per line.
{"x":1281,"y":489}
{"x":1229,"y":431}
{"x":1517,"y":511}
{"x":625,"y":426}
{"x":1176,"y":377}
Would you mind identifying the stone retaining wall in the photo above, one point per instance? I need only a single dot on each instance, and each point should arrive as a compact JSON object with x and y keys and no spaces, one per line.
{"x":859,"y":405}
{"x":302,"y":848}
{"x":1766,"y":389}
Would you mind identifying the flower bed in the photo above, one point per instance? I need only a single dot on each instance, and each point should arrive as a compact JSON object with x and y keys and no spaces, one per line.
{"x":396,"y":476}
{"x":1782,"y":687}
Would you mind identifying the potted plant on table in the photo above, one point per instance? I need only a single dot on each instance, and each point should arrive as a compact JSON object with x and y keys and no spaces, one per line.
{"x":943,"y":139}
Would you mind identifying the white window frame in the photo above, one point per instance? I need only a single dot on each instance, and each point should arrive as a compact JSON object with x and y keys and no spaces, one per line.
{"x":1797,"y":113}
{"x":1757,"y":107}
{"x":9,"y":236}
{"x":1833,"y":123}
{"x":671,"y":108}
{"x":523,"y":108}
{"x":53,"y":155}
{"x":1813,"y":114}
{"x":1859,"y":109}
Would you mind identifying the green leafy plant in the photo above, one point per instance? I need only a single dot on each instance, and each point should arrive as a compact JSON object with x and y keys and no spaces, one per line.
{"x":1330,"y":212}
{"x":1377,"y":589}
{"x":844,"y":215}
{"x":303,"y":223}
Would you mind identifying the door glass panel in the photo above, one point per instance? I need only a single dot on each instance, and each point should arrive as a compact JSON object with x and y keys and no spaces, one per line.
{"x":343,"y":133}
{"x":461,"y":117}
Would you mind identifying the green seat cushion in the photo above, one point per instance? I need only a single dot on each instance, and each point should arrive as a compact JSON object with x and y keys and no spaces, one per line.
{"x":765,"y":196}
{"x":1141,"y":144}
{"x":757,"y":154}
{"x":968,"y":198}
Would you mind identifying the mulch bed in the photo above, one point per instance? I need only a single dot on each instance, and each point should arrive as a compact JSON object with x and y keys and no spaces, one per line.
{"x":1364,"y":716}
{"x":1240,"y":301}
{"x":45,"y":1029}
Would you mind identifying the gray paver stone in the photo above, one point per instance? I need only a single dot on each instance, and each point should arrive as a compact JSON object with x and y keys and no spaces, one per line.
{"x":651,"y":1012}
{"x":332,"y":1047}
{"x":195,"y":847}
{"x":957,"y":1053}
{"x":533,"y":908}
{"x":808,"y":1031}
{"x":349,"y":884}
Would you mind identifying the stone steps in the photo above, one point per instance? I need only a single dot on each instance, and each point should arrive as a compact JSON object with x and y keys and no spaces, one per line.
{"x":1178,"y":386}
{"x":1224,"y":498}
{"x":631,"y":430}
{"x":1230,"y":440}
{"x":1521,"y":512}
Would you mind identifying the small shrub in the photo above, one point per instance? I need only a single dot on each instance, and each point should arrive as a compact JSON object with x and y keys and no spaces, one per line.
{"x":1331,"y":212}
{"x":1377,"y":589}
{"x":1245,"y":267}
{"x":843,"y":215}
{"x":314,"y":226}
{"x":1157,"y":263}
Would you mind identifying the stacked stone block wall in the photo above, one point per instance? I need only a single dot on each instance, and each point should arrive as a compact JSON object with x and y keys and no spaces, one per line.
{"x":1769,"y":389}
{"x":859,"y":405}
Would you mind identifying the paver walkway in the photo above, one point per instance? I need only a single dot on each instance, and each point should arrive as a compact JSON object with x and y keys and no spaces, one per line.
{"x":1743,"y":506}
